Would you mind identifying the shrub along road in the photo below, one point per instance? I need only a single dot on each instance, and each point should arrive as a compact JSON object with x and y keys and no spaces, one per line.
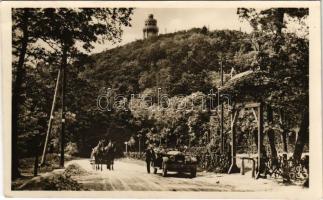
{"x":131,"y":175}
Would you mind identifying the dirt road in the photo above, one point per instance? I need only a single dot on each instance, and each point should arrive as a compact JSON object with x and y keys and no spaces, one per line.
{"x":131,"y":175}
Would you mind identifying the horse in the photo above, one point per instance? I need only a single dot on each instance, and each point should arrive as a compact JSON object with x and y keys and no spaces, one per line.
{"x":109,"y":151}
{"x":92,"y":158}
{"x":98,"y":154}
{"x":103,"y":154}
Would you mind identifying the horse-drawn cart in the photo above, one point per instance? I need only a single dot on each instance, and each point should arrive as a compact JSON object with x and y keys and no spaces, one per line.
{"x":103,"y":155}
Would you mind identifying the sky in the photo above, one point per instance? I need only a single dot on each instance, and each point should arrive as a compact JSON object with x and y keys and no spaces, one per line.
{"x":176,"y":19}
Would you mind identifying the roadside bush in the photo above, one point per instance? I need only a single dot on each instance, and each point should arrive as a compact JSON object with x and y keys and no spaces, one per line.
{"x":51,"y":181}
{"x":75,"y":169}
{"x":71,"y":148}
{"x":56,"y":180}
{"x":61,"y":182}
{"x":135,"y":155}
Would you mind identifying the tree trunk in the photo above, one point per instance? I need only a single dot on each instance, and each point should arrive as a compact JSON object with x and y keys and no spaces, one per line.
{"x":271,"y":134}
{"x":303,"y":136}
{"x":16,"y":97}
{"x":284,"y":131}
{"x":279,"y":20}
{"x":270,"y":117}
{"x":271,"y":138}
{"x":284,"y":139}
{"x":36,"y":153}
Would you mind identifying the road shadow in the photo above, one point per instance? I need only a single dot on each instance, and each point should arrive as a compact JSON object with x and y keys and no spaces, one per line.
{"x":176,"y":175}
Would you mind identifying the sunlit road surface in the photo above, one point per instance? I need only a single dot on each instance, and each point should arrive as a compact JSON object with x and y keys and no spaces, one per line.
{"x":131,"y":175}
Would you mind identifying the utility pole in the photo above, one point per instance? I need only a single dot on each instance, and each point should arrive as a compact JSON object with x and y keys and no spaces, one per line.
{"x":62,"y":135}
{"x":126,"y":143}
{"x":49,"y":128}
{"x":139,"y":141}
{"x":139,"y":146}
{"x":222,"y":121}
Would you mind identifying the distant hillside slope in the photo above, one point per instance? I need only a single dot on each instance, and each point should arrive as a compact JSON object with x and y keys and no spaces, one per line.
{"x":180,"y":63}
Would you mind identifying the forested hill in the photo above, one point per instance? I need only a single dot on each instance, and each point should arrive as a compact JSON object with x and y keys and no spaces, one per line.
{"x":180,"y":63}
{"x":187,"y":64}
{"x":184,"y":65}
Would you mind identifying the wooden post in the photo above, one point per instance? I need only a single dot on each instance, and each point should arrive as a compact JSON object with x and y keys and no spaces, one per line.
{"x":260,"y":136}
{"x":233,"y":168}
{"x":253,"y":168}
{"x":242,"y":166}
{"x":49,"y":128}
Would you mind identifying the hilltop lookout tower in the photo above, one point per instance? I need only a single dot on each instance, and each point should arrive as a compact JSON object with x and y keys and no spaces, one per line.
{"x":151,"y":28}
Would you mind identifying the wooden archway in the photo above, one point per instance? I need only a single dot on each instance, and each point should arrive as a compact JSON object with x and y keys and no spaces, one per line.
{"x":257,"y":109}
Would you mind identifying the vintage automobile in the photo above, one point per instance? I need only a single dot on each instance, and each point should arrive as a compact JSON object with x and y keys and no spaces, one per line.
{"x":174,"y":160}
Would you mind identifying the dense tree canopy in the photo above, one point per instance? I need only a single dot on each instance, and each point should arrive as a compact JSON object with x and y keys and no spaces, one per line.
{"x":56,"y":36}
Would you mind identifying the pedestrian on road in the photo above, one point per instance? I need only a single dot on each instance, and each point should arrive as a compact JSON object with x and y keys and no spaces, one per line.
{"x":149,"y":154}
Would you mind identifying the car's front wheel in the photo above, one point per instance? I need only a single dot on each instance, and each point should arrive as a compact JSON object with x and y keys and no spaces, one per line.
{"x":164,"y":170}
{"x":193,"y":173}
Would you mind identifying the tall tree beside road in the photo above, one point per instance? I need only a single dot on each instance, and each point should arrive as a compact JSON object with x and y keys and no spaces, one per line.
{"x":285,"y":56}
{"x":67,"y":33}
{"x":23,"y":33}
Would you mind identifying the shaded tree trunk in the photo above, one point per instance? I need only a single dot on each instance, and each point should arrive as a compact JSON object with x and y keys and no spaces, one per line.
{"x":284,"y":131}
{"x":16,"y":96}
{"x":279,"y":20}
{"x":271,"y":138}
{"x":66,"y":43}
{"x":36,"y":142}
{"x":271,"y":134}
{"x":303,"y":136}
{"x":284,"y":140}
{"x":270,"y":117}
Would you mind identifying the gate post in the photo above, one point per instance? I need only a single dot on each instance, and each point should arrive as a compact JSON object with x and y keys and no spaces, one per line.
{"x":260,"y":140}
{"x":242,"y":166}
{"x":233,"y":168}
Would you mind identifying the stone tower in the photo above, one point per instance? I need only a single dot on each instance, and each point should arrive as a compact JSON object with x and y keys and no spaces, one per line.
{"x":151,"y":28}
